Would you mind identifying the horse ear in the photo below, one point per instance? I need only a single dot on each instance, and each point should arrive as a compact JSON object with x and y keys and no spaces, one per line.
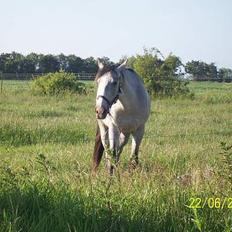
{"x":100,"y":64}
{"x":123,"y":65}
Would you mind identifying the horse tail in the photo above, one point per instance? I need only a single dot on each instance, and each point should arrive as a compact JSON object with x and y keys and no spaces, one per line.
{"x":98,"y":151}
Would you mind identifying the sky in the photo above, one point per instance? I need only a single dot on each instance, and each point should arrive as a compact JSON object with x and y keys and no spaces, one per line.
{"x":190,"y":29}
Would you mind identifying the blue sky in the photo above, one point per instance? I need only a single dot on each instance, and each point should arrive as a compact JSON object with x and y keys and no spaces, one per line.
{"x":191,"y":29}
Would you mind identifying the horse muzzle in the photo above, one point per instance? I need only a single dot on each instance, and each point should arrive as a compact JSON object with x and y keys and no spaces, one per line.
{"x":101,"y":113}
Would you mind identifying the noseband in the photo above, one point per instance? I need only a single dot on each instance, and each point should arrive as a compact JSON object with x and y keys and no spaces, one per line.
{"x":110,"y":103}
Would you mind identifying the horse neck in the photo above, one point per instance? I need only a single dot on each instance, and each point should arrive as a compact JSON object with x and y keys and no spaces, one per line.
{"x":128,"y":92}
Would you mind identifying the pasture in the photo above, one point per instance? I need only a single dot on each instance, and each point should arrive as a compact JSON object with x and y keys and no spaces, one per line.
{"x":46,"y":146}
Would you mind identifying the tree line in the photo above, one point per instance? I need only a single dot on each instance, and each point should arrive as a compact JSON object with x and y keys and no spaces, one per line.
{"x":39,"y":63}
{"x":202,"y":71}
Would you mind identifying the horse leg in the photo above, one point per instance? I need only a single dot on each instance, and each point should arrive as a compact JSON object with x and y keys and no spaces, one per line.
{"x":114,"y":147}
{"x":104,"y":135}
{"x":123,"y":140}
{"x":136,"y":141}
{"x":98,"y":151}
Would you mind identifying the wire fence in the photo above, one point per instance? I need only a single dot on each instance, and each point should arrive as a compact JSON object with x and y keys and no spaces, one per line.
{"x":1,"y":79}
{"x":91,"y":76}
{"x":227,"y":80}
{"x":29,"y":76}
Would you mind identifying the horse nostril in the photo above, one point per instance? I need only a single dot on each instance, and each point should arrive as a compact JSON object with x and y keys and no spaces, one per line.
{"x":98,"y":110}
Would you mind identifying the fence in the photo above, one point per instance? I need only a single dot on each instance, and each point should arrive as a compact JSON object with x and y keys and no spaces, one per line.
{"x":90,"y":76}
{"x":29,"y":76}
{"x":228,"y":80}
{"x":1,"y":80}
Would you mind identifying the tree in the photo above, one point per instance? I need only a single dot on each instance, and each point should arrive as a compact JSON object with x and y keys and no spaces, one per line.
{"x":48,"y":63}
{"x":172,"y":66}
{"x":106,"y":60}
{"x":75,"y":64}
{"x":196,"y":69}
{"x":11,"y":62}
{"x":162,"y":76}
{"x":212,"y":72}
{"x":63,"y":62}
{"x":225,"y":74}
{"x":30,"y":63}
{"x":147,"y":66}
{"x":2,"y":62}
{"x":90,"y":65}
{"x":130,"y":61}
{"x":201,"y":70}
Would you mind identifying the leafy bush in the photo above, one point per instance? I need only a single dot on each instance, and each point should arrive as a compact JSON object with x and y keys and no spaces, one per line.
{"x":55,"y":83}
{"x":162,"y":76}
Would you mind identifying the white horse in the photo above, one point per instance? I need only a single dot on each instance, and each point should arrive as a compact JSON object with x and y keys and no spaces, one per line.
{"x":122,"y":109}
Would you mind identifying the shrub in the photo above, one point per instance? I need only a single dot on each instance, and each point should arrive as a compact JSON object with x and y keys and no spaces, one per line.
{"x":56,"y":83}
{"x":162,"y":76}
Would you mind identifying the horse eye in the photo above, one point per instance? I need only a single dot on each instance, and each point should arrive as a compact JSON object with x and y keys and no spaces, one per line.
{"x":114,"y":83}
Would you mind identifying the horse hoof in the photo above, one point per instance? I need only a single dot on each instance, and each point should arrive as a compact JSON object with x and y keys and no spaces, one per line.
{"x":133,"y":165}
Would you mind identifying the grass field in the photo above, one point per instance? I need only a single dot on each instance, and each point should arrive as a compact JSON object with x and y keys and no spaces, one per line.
{"x":46,"y":145}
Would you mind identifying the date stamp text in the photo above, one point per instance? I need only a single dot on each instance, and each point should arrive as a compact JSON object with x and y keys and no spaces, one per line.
{"x":210,"y":202}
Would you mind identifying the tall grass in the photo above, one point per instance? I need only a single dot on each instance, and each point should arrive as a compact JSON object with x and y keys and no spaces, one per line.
{"x":45,"y":149}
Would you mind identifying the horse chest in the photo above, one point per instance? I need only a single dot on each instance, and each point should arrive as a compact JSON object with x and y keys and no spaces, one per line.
{"x":124,"y":122}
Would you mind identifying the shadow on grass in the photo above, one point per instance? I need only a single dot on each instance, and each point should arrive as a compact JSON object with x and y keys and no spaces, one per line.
{"x":39,"y":208}
{"x":43,"y":203}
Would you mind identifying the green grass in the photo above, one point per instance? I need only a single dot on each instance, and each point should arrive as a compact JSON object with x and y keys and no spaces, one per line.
{"x":46,"y":145}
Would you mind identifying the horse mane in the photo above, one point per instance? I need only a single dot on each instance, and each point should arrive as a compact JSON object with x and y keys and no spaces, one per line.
{"x":130,"y":69}
{"x":105,"y":69}
{"x":108,"y":68}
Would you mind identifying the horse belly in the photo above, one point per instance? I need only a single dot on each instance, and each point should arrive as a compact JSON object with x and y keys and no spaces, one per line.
{"x":128,"y":124}
{"x":127,"y":120}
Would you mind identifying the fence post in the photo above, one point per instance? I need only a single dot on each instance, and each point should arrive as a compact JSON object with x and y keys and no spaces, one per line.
{"x":1,"y":79}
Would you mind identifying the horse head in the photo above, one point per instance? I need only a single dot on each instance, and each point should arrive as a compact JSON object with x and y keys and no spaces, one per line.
{"x":109,"y":81}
